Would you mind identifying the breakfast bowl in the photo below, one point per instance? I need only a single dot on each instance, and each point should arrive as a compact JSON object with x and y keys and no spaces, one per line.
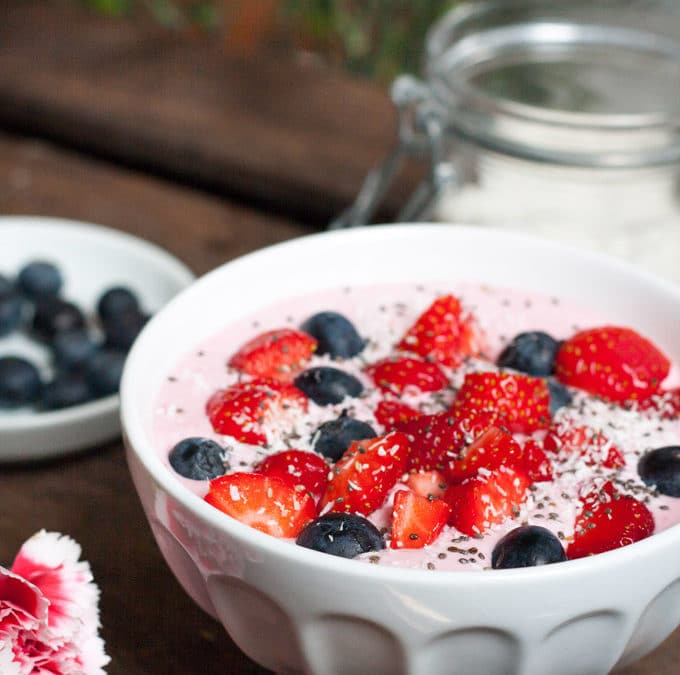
{"x":295,"y":610}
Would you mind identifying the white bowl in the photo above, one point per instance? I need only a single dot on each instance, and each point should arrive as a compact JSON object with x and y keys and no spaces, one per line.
{"x":298,"y":611}
{"x":92,"y":258}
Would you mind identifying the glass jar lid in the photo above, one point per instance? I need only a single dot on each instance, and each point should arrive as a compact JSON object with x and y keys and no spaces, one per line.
{"x":576,"y":83}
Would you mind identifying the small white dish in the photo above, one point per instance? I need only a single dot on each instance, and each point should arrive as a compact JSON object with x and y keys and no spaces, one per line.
{"x":91,"y":258}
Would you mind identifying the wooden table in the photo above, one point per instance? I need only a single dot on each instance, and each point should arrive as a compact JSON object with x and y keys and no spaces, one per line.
{"x":209,"y":156}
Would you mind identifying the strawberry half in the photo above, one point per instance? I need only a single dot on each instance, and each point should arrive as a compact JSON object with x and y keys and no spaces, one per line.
{"x":405,"y":374}
{"x":444,"y":333}
{"x":664,"y":403}
{"x":521,"y":401}
{"x":417,"y":521}
{"x":491,"y":450}
{"x":367,"y":471}
{"x":615,"y":363}
{"x":244,"y":409}
{"x":595,"y":448}
{"x":265,"y":503}
{"x":393,"y":413}
{"x":536,"y":463}
{"x":609,"y":520}
{"x":479,"y":503}
{"x":299,"y":468}
{"x":277,"y":354}
{"x":427,"y":483}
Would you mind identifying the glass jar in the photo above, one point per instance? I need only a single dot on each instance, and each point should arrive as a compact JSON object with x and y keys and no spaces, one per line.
{"x":556,"y":118}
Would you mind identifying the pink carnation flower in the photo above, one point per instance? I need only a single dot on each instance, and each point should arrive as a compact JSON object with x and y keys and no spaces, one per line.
{"x":49,"y":614}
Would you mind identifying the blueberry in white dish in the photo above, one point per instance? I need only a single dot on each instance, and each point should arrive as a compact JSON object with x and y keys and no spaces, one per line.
{"x":53,"y":316}
{"x":20,"y":382}
{"x":660,"y":468}
{"x":198,"y":459}
{"x":527,"y":546}
{"x":122,"y":330}
{"x":11,"y":310}
{"x":333,"y":438}
{"x":533,"y":353}
{"x":335,"y":335}
{"x":72,"y":350}
{"x":116,"y":301}
{"x":64,"y":391}
{"x":40,"y":279}
{"x":326,"y":385}
{"x":104,"y":371}
{"x":346,"y":535}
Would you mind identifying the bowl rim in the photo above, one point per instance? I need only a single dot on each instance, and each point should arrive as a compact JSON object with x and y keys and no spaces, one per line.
{"x":175,"y":269}
{"x":143,"y":451}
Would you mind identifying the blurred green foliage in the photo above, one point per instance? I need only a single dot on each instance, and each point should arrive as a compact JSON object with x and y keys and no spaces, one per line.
{"x":375,"y":38}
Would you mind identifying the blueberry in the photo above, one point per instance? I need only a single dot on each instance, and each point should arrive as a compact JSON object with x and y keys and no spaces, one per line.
{"x":104,"y":371}
{"x":122,"y":330}
{"x":65,"y":391}
{"x":116,"y":301}
{"x":661,"y":468}
{"x":527,"y":546}
{"x":40,"y":279}
{"x":342,"y":534}
{"x":559,"y":395}
{"x":332,"y":438}
{"x":198,"y":459}
{"x":53,"y":316}
{"x":533,"y":353}
{"x":11,"y":307}
{"x":335,"y":334}
{"x":20,"y":382}
{"x":325,"y":385}
{"x":73,"y":349}
{"x":6,"y":286}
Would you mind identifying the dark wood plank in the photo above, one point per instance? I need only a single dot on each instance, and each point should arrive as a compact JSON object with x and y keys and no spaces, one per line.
{"x":293,"y":136}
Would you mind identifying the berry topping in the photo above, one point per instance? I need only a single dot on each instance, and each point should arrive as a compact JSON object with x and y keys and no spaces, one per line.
{"x":53,"y":316}
{"x":663,"y":403}
{"x":427,"y":483}
{"x":277,"y":354}
{"x":104,"y":371}
{"x":121,"y":330}
{"x":559,"y":395}
{"x":527,"y":546}
{"x":335,"y":335}
{"x":11,"y":307}
{"x":595,"y":448}
{"x":244,"y":409}
{"x":326,"y":386}
{"x":615,"y":363}
{"x":536,"y":463}
{"x":393,"y":413}
{"x":198,"y":459}
{"x":479,"y":503}
{"x":20,"y":382}
{"x":64,"y":391}
{"x":6,"y":286}
{"x":532,"y":353}
{"x":416,"y":520}
{"x":39,"y":279}
{"x":363,"y":476}
{"x":298,"y":467}
{"x":608,"y":520}
{"x":406,"y":374}
{"x":115,"y":302}
{"x":443,"y":333}
{"x":333,"y":438}
{"x":521,"y":401}
{"x":660,"y":468}
{"x":343,"y":534}
{"x":265,"y":503}
{"x":73,"y":349}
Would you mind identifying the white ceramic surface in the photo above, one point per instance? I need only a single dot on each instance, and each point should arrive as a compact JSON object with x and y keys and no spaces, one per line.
{"x":298,"y":611}
{"x":92,"y":258}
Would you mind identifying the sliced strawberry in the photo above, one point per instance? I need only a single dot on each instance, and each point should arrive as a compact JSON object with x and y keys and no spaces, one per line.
{"x":393,"y":413}
{"x":491,"y":450}
{"x":479,"y":503}
{"x":439,"y":438}
{"x":277,"y":354}
{"x":444,"y":333}
{"x":615,"y":363}
{"x":244,"y":409}
{"x":536,"y":463}
{"x":522,"y":401}
{"x":595,"y":448}
{"x":405,"y":374}
{"x":664,"y":403}
{"x":416,"y":520}
{"x":609,"y":520}
{"x":427,"y":483}
{"x":363,"y":476}
{"x":266,"y":503}
{"x":299,"y":468}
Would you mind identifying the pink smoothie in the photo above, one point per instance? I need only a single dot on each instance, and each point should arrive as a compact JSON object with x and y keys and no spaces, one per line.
{"x":383,"y":314}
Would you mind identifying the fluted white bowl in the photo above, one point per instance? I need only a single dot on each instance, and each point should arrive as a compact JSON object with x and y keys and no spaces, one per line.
{"x":295,"y":610}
